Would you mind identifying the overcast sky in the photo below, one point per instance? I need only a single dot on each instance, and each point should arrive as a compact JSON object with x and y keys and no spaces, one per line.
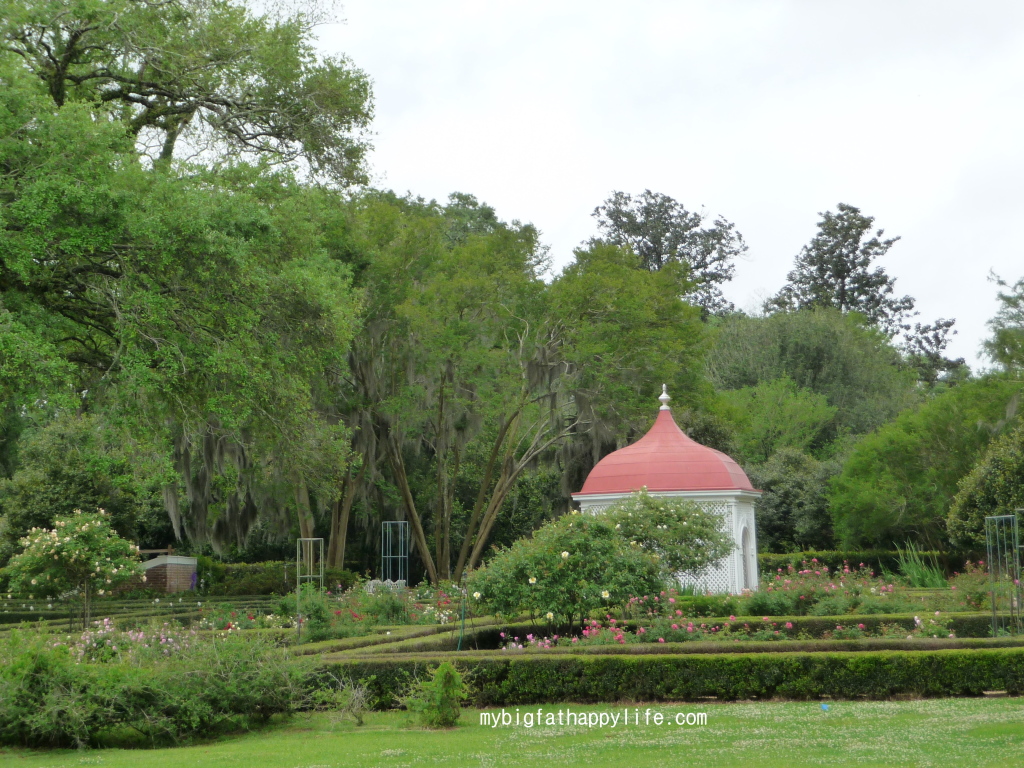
{"x":765,"y":113}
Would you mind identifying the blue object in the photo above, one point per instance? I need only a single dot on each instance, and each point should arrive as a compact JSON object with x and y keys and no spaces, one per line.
{"x":825,"y":707}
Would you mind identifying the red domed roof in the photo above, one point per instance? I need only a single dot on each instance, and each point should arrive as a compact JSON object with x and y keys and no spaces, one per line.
{"x":665,"y":459}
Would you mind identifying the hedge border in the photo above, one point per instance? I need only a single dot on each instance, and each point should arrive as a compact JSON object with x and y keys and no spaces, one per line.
{"x":521,"y":680}
{"x":702,"y":647}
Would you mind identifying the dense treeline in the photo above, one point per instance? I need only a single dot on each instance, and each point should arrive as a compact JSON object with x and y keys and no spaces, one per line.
{"x":210,"y":327}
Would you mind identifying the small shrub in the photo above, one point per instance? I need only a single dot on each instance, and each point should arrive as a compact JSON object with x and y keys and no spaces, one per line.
{"x":342,"y":698}
{"x":436,"y":701}
{"x":835,"y":605}
{"x":774,"y":604}
{"x":386,"y":607}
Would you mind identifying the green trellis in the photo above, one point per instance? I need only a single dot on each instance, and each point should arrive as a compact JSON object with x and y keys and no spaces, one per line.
{"x":1002,"y":540}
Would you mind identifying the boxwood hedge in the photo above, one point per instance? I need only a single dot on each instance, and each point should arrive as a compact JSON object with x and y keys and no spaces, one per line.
{"x":506,"y":680}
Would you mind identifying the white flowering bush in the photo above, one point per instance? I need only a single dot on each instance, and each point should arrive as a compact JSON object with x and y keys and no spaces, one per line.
{"x":568,"y":568}
{"x":81,"y":553}
{"x":686,"y":538}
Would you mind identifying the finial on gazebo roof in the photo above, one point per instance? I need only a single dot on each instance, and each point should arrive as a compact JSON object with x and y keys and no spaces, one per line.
{"x":664,"y":398}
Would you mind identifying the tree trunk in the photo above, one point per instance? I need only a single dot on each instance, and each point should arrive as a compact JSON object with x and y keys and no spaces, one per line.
{"x":340,"y":512}
{"x":445,"y":502}
{"x":481,"y":498}
{"x":305,"y":522}
{"x":418,"y":536}
{"x":501,"y":489}
{"x":303,"y":510}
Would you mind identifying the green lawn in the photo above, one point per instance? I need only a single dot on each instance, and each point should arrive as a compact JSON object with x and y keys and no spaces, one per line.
{"x":946,"y":732}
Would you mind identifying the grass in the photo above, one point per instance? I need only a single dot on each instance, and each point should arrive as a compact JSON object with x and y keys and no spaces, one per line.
{"x":961,"y":732}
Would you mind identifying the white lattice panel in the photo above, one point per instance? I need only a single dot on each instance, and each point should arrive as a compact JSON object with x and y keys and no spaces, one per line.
{"x":737,"y":512}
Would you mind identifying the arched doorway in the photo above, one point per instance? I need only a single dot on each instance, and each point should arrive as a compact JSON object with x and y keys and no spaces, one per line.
{"x":745,"y":553}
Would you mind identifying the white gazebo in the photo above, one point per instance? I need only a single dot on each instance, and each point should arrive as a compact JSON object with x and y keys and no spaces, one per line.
{"x":667,"y":462}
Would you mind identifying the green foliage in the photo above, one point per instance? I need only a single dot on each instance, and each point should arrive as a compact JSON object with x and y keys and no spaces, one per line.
{"x":661,"y":231}
{"x":897,"y":484}
{"x":212,"y":74}
{"x":386,"y":606}
{"x":81,"y":552}
{"x":777,"y":414}
{"x":875,"y":560}
{"x":834,"y":270}
{"x":852,"y":365}
{"x":72,"y":463}
{"x":919,"y":571}
{"x":570,"y":567}
{"x":626,"y":333}
{"x":268,"y":578}
{"x":793,"y":512}
{"x":436,"y":701}
{"x":1006,"y":345}
{"x":51,"y":699}
{"x":994,"y":487}
{"x":681,"y":535}
{"x":540,"y":678}
{"x":197,"y":314}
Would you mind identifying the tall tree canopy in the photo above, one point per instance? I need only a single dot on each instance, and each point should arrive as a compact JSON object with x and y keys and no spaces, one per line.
{"x":198,"y":77}
{"x":793,"y":512}
{"x":837,"y":269}
{"x":854,"y":366}
{"x":661,"y":231}
{"x":468,"y":359}
{"x":1006,"y":345}
{"x":199,"y":308}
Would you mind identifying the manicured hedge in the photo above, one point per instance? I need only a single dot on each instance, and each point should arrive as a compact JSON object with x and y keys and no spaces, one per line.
{"x":505,"y":680}
{"x":715,"y":646}
{"x":876,"y":560}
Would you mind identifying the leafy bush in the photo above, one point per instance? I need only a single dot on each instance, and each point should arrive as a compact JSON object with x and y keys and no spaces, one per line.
{"x":50,"y":698}
{"x":571,"y":566}
{"x":707,"y":605}
{"x":993,"y":487}
{"x":765,"y":603}
{"x":323,"y":615}
{"x":915,"y":463}
{"x":436,"y":701}
{"x":685,"y":537}
{"x":793,"y":591}
{"x":834,"y":605}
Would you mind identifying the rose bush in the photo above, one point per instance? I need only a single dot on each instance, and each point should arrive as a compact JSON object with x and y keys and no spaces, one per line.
{"x":81,"y":554}
{"x":600,"y":569}
{"x":685,"y":537}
